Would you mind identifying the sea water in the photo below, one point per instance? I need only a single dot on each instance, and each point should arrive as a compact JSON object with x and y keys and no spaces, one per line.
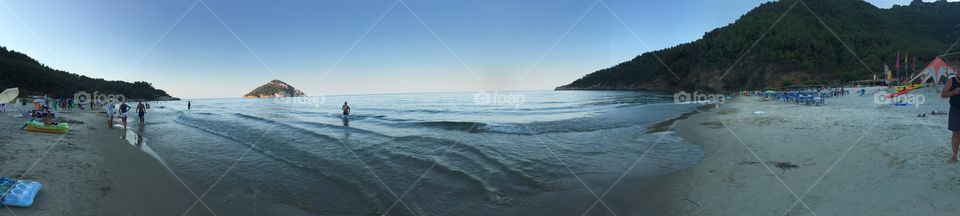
{"x":413,"y":154}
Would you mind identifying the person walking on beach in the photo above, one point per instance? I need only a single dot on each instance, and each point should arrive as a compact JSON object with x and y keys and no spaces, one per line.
{"x":110,"y":115}
{"x":952,"y":90}
{"x":141,"y":110}
{"x":124,"y":108}
{"x":346,"y":109}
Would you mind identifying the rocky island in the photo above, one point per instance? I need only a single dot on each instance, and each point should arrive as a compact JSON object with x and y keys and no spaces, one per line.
{"x":275,"y":88}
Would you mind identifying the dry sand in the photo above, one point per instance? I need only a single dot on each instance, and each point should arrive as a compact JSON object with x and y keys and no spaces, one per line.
{"x":849,"y":157}
{"x":89,"y":171}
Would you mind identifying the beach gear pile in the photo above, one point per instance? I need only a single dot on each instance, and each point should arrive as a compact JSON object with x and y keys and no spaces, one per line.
{"x":47,"y":126}
{"x":20,"y":193}
{"x":44,"y":120}
{"x":901,"y":99}
{"x":904,"y":90}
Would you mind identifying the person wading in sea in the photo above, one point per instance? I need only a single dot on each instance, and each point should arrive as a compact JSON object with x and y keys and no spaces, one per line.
{"x":141,"y":110}
{"x":952,"y":90}
{"x":346,"y":109}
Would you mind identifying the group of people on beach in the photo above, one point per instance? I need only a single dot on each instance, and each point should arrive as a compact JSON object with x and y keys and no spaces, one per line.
{"x":124,"y":109}
{"x":65,"y":103}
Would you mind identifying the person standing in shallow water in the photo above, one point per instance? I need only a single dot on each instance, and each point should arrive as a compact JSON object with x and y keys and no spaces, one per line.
{"x":141,"y":110}
{"x":110,"y":110}
{"x":124,"y":108}
{"x":188,"y":105}
{"x":346,"y":109}
{"x":952,"y":90}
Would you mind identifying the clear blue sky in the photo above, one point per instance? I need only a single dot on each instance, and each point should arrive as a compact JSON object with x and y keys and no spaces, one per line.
{"x":299,"y":39}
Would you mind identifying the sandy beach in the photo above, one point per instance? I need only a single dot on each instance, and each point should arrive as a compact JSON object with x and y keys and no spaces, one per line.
{"x":89,"y":171}
{"x":848,"y":157}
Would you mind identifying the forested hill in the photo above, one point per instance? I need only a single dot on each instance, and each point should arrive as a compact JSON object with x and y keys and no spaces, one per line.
{"x":33,"y":78}
{"x":798,"y":50}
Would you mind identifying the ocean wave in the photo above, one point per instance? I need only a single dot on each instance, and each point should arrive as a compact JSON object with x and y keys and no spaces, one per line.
{"x":461,"y":161}
{"x":448,"y":125}
{"x":276,"y":150}
{"x":533,"y":128}
{"x":406,"y":154}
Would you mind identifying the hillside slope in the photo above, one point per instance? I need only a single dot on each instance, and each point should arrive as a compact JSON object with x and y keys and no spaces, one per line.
{"x":798,"y":50}
{"x":33,"y":78}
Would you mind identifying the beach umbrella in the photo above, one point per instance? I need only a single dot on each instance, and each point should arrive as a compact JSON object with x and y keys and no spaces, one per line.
{"x":9,"y":95}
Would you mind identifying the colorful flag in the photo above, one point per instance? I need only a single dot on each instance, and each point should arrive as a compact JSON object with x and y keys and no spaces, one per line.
{"x":897,"y":65}
{"x":889,"y":74}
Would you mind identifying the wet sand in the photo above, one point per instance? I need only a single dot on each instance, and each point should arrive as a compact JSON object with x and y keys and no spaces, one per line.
{"x":89,"y":171}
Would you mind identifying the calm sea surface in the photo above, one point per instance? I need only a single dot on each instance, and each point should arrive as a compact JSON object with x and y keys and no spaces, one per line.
{"x":443,"y":153}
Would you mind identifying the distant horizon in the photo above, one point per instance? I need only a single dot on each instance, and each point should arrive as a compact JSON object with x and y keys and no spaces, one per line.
{"x":212,"y":49}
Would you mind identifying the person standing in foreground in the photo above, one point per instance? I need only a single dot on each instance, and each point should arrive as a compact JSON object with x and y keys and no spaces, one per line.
{"x":110,"y":112}
{"x":124,"y":108}
{"x":141,"y":110}
{"x":346,"y":109}
{"x":952,"y":90}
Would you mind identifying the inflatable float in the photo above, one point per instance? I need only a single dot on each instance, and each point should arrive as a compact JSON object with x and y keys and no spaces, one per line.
{"x":910,"y":87}
{"x":20,"y":193}
{"x":36,"y":126}
{"x":902,"y":92}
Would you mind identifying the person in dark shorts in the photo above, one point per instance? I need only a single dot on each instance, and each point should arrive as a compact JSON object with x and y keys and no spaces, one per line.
{"x":346,"y":109}
{"x":952,"y":90}
{"x":141,"y":110}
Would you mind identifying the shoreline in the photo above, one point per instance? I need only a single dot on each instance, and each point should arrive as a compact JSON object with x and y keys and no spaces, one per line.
{"x":90,"y":170}
{"x":850,"y":156}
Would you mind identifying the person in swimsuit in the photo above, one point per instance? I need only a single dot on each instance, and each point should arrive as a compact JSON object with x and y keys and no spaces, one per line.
{"x":952,"y":90}
{"x":141,"y":110}
{"x":346,"y":109}
{"x":124,"y":108}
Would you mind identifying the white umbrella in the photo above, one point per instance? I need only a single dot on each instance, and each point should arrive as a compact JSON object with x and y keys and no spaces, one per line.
{"x":9,"y":95}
